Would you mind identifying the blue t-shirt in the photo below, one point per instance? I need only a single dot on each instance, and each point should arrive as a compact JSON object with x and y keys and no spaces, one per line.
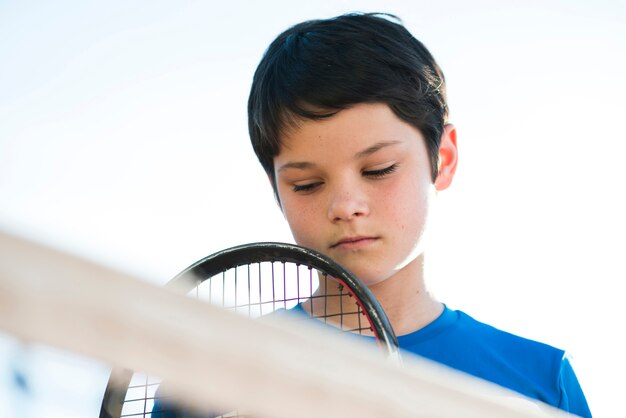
{"x":533,"y":369}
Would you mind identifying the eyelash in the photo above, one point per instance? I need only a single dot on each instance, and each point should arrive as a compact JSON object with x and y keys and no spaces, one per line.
{"x":381,"y":173}
{"x":305,"y":187}
{"x":371,"y":174}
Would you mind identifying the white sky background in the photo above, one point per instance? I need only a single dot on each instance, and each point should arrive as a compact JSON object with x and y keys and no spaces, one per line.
{"x":123,"y":138}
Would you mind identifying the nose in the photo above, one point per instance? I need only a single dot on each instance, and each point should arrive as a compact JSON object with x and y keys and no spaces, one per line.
{"x":347,"y":202}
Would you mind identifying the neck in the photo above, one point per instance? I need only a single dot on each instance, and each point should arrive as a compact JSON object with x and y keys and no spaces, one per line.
{"x":403,"y":297}
{"x":406,"y":300}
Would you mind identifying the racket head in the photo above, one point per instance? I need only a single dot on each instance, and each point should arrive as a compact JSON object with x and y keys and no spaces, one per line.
{"x":277,"y":252}
{"x":256,"y":259}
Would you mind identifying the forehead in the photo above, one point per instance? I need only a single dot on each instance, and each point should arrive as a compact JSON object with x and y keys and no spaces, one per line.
{"x":355,"y":129}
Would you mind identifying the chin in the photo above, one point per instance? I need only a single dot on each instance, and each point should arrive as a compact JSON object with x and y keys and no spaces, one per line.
{"x":369,"y":277}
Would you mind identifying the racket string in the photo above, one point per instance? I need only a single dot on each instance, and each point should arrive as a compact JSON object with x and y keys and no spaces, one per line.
{"x":346,"y":319}
{"x":265,"y":289}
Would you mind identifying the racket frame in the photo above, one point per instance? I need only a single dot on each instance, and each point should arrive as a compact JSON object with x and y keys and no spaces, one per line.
{"x":259,"y":252}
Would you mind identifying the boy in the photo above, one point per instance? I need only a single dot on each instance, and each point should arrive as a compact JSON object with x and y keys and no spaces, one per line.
{"x":348,"y":117}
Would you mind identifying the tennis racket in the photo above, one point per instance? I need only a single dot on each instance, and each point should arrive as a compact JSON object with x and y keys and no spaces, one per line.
{"x":262,"y":279}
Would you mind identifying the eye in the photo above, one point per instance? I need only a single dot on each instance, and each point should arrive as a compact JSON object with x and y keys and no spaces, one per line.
{"x":380,"y":173}
{"x":309,"y":187}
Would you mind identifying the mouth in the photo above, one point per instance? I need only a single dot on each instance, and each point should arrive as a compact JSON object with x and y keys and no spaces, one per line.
{"x":352,"y":243}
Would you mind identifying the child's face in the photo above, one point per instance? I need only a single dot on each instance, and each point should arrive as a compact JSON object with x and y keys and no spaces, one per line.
{"x":357,"y":187}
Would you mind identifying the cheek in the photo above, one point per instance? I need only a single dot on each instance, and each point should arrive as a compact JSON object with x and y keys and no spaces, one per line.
{"x":301,"y":222}
{"x":406,"y":205}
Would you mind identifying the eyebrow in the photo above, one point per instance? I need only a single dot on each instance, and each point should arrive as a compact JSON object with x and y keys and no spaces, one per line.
{"x":304,"y":165}
{"x":376,"y":147}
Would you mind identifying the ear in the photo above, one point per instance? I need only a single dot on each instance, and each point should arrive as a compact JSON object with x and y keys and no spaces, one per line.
{"x":448,"y":157}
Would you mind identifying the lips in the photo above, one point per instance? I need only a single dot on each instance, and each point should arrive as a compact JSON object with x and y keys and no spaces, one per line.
{"x":354,"y":242}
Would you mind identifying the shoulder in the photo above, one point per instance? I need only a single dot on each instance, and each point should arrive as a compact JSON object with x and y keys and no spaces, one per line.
{"x":510,"y":344}
{"x":530,"y":367}
{"x":455,"y":328}
{"x":514,"y":354}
